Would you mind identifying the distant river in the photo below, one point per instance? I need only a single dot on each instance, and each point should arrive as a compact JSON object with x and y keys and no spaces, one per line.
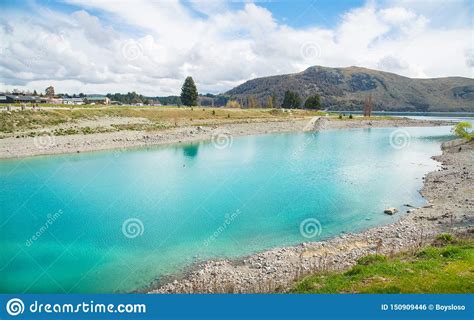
{"x":115,"y":221}
{"x":450,"y":116}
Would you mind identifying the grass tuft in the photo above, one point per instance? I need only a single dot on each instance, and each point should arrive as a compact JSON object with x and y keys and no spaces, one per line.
{"x":441,"y":268}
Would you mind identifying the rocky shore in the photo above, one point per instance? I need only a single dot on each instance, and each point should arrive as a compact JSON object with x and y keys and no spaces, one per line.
{"x":47,"y":144}
{"x":450,"y":195}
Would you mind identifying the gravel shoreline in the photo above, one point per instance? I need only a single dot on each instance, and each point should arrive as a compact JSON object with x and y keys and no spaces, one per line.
{"x":47,"y":144}
{"x":449,"y":192}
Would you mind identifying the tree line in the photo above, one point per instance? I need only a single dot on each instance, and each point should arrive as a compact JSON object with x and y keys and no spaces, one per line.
{"x":129,"y":98}
{"x":189,"y":97}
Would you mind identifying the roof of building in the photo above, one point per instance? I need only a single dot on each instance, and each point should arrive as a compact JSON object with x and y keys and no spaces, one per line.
{"x":22,"y":98}
{"x":73,"y":99}
{"x":96,"y":97}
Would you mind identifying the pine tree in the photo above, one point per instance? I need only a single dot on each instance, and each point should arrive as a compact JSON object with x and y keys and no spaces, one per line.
{"x":189,"y":94}
{"x":291,"y":100}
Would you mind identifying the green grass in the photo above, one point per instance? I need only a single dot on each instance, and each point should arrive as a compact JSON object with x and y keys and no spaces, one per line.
{"x":445,"y":267}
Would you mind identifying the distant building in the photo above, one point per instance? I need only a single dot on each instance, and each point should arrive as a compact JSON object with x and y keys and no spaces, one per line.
{"x":73,"y":101}
{"x":55,"y":100}
{"x":98,"y":99}
{"x":12,"y":98}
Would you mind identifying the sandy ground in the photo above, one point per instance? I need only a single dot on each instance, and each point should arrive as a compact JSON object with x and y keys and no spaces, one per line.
{"x":47,"y":143}
{"x":449,"y":190}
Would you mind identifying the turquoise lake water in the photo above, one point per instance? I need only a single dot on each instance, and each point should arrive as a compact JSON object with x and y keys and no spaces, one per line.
{"x":116,"y":221}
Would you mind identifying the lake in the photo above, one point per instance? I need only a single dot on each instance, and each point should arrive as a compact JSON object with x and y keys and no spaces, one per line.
{"x":115,"y":221}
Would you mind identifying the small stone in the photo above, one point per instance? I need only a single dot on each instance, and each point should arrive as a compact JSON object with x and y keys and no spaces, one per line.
{"x":390,"y":211}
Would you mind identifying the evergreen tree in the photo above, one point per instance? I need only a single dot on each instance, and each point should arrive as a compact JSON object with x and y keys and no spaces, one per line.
{"x":189,"y":94}
{"x":292,"y":100}
{"x":313,"y":102}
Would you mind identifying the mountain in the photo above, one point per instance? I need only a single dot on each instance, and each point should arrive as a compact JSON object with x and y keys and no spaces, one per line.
{"x":347,"y":88}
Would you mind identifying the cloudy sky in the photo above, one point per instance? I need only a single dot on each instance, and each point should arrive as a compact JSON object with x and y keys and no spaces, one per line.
{"x":100,"y":46}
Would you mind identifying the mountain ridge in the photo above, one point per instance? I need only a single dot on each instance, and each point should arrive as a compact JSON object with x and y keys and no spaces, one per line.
{"x":347,"y":88}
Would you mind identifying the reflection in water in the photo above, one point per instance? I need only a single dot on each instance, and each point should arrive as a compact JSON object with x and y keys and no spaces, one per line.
{"x":191,"y":150}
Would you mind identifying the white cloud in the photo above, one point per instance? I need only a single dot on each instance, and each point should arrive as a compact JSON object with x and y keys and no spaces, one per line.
{"x":220,"y":47}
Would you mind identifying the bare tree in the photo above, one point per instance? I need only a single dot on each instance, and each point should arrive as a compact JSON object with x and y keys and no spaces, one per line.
{"x":368,"y":106}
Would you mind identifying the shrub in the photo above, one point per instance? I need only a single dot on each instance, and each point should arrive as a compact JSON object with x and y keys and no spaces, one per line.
{"x":445,"y":238}
{"x":340,"y":116}
{"x":428,"y":253}
{"x":350,"y":116}
{"x":464,"y":130}
{"x":450,"y":252}
{"x":232,"y":104}
{"x":354,"y":271}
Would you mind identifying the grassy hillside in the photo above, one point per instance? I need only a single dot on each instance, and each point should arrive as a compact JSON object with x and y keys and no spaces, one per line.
{"x":445,"y":267}
{"x":347,"y":88}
